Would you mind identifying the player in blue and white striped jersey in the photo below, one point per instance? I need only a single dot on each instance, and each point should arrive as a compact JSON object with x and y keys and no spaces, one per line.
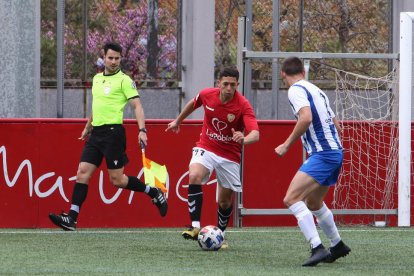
{"x":322,"y":135}
{"x":319,"y":131}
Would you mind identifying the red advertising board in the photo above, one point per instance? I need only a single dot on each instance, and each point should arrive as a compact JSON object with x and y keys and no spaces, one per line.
{"x":39,"y":159}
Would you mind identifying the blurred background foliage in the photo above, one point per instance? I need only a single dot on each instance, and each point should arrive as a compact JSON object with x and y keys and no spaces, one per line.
{"x":148,"y":30}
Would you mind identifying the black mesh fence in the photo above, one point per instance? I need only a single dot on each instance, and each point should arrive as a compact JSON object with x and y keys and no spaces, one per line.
{"x":148,"y":30}
{"x":226,"y":24}
{"x":337,"y":26}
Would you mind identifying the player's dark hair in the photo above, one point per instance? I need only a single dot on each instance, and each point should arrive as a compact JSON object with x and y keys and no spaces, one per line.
{"x":292,"y":66}
{"x":113,"y":46}
{"x":229,"y":72}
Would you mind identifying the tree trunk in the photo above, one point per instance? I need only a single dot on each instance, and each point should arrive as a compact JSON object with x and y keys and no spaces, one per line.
{"x":343,"y":30}
{"x":126,"y":4}
{"x":152,"y":45}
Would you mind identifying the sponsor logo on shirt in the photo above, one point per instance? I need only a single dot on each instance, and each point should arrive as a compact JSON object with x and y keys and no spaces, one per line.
{"x":219,"y":126}
{"x":209,"y":108}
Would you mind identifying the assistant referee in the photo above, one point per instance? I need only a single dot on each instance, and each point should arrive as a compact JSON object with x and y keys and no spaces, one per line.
{"x":105,"y":137}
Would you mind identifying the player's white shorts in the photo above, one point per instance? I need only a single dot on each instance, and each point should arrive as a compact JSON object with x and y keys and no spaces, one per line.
{"x":227,"y":172}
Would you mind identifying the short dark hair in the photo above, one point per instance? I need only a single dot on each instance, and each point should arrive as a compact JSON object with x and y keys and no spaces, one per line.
{"x":229,"y":72}
{"x":113,"y":46}
{"x":292,"y":66}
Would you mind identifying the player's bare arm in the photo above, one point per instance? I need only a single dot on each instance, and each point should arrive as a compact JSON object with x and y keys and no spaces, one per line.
{"x":87,"y":130}
{"x":174,"y":126}
{"x":338,"y":126}
{"x":140,"y":117}
{"x":303,"y":123}
{"x":250,"y":138}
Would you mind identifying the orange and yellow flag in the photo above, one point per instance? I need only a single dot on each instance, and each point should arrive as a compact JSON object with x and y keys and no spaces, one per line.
{"x":155,"y":175}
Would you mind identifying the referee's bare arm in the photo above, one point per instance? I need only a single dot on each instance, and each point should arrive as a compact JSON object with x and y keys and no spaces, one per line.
{"x":140,"y":117}
{"x":87,"y":130}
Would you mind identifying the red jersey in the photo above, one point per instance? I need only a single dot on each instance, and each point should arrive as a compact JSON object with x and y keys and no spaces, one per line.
{"x":219,"y":119}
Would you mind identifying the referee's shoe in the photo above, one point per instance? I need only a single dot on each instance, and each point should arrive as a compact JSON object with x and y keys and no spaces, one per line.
{"x":319,"y":254}
{"x":161,"y":202}
{"x":64,"y":221}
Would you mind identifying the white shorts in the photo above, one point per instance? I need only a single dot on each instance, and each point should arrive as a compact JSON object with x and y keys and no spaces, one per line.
{"x":227,"y":172}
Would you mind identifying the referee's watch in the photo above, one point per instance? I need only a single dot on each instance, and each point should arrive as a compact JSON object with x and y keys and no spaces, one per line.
{"x":143,"y":130}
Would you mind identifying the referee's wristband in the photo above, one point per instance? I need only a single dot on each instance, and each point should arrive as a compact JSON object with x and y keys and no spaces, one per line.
{"x":143,"y":130}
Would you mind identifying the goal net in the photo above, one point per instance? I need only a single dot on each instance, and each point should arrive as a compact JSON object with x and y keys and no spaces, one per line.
{"x":368,"y":110}
{"x":378,"y":161}
{"x":375,"y":182}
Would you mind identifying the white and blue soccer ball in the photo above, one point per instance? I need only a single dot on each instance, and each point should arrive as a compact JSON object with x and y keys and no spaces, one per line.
{"x":210,"y":238}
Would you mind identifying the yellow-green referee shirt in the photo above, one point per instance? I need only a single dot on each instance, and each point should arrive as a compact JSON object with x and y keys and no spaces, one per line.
{"x":110,"y":93}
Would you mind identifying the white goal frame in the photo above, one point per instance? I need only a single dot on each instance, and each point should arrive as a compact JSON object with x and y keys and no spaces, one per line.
{"x":405,"y":92}
{"x":405,"y":89}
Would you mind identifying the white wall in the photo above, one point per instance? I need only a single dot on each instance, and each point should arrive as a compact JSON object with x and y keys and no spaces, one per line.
{"x":198,"y":49}
{"x":20,"y":58}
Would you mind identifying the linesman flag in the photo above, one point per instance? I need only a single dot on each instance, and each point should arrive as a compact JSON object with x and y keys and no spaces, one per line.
{"x":155,"y":175}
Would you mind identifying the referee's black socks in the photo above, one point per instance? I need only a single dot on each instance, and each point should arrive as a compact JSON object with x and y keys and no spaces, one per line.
{"x":80,"y":191}
{"x":134,"y":184}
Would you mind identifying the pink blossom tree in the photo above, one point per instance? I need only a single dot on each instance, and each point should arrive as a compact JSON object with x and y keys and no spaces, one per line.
{"x":107,"y":22}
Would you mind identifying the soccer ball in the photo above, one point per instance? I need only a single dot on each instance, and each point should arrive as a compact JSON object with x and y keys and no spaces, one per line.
{"x":210,"y":238}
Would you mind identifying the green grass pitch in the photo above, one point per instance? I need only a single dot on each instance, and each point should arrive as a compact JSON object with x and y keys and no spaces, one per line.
{"x":162,"y":251}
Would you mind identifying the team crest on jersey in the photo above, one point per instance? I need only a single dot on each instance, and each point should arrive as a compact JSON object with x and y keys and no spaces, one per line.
{"x":231,"y":117}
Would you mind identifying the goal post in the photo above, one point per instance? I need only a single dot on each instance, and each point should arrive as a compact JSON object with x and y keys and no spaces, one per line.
{"x":405,"y":89}
{"x":400,"y":143}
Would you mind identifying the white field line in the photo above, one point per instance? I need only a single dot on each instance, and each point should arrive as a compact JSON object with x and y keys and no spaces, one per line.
{"x":157,"y":230}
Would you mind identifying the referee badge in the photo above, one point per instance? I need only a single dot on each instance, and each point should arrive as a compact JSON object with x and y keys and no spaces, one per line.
{"x":134,"y":85}
{"x":230,"y":117}
{"x":107,"y":89}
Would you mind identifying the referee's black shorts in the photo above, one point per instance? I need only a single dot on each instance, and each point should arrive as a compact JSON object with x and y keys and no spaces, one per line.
{"x":107,"y":141}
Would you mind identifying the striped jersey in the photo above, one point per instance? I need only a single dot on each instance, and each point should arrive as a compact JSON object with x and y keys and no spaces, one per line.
{"x":322,"y":134}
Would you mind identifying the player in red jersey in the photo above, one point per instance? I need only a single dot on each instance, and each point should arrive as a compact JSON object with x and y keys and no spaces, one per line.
{"x":228,"y":116}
